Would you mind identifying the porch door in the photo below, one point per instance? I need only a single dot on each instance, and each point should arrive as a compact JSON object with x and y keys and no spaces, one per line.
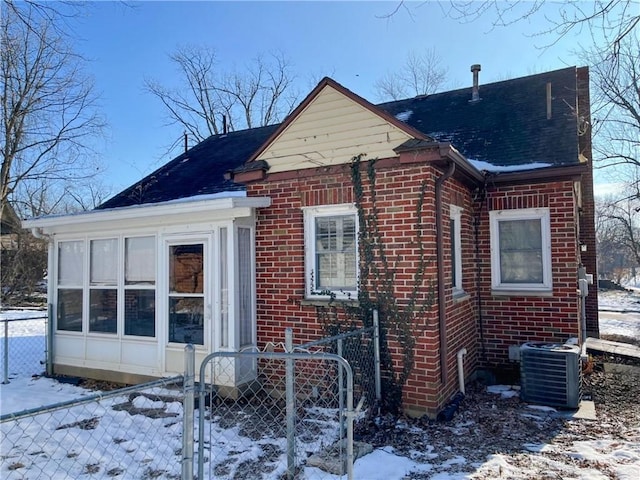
{"x":188,"y":320}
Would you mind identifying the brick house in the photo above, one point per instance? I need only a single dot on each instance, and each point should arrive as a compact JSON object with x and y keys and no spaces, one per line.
{"x":479,"y":202}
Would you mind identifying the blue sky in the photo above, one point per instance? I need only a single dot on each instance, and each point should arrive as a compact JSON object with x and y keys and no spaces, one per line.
{"x":349,"y":41}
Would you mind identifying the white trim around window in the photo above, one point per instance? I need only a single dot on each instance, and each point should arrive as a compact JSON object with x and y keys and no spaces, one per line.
{"x":521,"y":250}
{"x":455,"y":215}
{"x":331,"y":251}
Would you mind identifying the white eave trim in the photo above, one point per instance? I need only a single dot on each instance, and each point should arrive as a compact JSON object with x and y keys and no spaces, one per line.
{"x":172,"y":212}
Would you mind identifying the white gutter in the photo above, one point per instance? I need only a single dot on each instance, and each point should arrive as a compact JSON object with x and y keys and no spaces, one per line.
{"x":147,"y":214}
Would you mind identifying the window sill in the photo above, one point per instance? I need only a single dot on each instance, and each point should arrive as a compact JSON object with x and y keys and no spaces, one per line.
{"x":460,"y":296}
{"x":325,"y":302}
{"x":521,"y":293}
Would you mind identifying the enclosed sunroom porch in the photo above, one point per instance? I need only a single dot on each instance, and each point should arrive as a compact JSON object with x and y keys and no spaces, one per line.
{"x":130,"y":287}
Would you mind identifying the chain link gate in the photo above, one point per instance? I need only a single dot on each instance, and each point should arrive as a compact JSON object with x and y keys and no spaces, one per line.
{"x":292,"y":417}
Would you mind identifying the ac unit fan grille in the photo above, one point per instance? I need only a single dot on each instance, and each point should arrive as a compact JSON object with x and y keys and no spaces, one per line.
{"x":550,"y":375}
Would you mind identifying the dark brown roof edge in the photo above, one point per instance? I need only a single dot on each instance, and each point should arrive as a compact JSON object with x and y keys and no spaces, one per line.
{"x":326,"y":81}
{"x":538,"y":174}
{"x":446,"y":150}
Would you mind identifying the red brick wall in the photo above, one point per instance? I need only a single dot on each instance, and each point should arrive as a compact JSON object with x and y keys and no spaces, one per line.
{"x":505,"y":320}
{"x":515,"y":319}
{"x":280,"y":264}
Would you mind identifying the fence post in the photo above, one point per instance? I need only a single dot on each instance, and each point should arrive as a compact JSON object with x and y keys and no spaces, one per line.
{"x":49,"y":341}
{"x":340,"y":390}
{"x":291,"y":406}
{"x":6,"y":353}
{"x":376,"y":349}
{"x":187,"y":417}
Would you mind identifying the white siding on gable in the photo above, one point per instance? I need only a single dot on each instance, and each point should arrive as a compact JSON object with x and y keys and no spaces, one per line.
{"x":331,"y":131}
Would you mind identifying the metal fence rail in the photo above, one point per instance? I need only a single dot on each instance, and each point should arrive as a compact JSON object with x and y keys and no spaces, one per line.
{"x":134,"y":432}
{"x":23,"y":346}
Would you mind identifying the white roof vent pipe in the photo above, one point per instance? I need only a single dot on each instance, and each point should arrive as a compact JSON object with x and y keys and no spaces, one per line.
{"x":475,"y":92}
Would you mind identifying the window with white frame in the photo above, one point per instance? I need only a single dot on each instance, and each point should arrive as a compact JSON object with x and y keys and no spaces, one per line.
{"x":112,"y":283}
{"x":455,"y":217}
{"x":140,"y":286}
{"x":186,"y":293}
{"x":245,"y":287}
{"x":521,"y":249}
{"x":331,"y":247}
{"x":70,"y":286}
{"x":103,"y":286}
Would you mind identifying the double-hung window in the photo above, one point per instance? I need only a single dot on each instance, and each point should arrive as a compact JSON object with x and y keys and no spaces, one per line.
{"x":331,"y":244}
{"x":455,"y":217}
{"x":70,"y":285}
{"x":139,"y":286}
{"x":103,"y":286}
{"x":521,"y":250}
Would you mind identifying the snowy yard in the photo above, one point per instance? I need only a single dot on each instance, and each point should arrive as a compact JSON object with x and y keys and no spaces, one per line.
{"x":494,"y":434}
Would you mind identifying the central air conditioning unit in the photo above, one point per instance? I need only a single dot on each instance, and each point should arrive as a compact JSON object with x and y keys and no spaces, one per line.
{"x":550,"y":374}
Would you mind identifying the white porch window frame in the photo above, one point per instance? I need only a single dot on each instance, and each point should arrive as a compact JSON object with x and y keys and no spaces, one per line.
{"x":70,"y":264}
{"x":312,"y":290}
{"x":455,"y":215}
{"x":541,"y":215}
{"x":245,"y":287}
{"x":168,"y":295}
{"x":201,"y":217}
{"x":140,"y":270}
{"x":104,"y":274}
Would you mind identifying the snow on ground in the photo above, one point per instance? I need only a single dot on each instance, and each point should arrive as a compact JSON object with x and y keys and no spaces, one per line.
{"x":619,"y":312}
{"x":112,"y":443}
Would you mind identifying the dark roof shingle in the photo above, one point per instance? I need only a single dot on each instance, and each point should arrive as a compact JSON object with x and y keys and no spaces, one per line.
{"x":507,"y":127}
{"x":199,"y":171}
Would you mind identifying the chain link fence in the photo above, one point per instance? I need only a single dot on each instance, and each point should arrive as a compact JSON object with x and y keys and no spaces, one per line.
{"x":361,"y":349}
{"x":291,"y":418}
{"x":23,"y":345}
{"x":132,"y":433}
{"x":285,"y":424}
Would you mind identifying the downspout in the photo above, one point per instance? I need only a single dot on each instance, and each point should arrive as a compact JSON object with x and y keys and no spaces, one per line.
{"x":460,"y":356}
{"x":38,"y":233}
{"x":476,"y":225}
{"x":442,"y":321}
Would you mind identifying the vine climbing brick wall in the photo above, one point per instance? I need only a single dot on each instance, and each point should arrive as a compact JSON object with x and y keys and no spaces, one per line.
{"x":281,"y":279}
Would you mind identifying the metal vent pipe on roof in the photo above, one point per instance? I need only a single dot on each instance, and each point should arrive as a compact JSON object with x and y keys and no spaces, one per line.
{"x":475,"y":92}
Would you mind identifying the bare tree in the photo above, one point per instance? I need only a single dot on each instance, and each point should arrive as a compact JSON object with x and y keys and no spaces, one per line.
{"x":615,"y":85}
{"x":421,"y":74}
{"x":38,"y":198}
{"x":47,"y":103}
{"x":616,"y":19}
{"x":260,"y":94}
{"x":618,"y":232}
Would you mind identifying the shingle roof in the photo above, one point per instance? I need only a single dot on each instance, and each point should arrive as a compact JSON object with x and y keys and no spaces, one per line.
{"x":507,"y":127}
{"x":199,"y":171}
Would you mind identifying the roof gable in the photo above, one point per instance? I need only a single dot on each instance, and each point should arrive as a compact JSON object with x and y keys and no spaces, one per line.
{"x":330,"y":127}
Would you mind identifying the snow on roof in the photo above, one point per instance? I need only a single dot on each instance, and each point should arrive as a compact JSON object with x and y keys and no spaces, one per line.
{"x":404,"y":116}
{"x":486,"y":166}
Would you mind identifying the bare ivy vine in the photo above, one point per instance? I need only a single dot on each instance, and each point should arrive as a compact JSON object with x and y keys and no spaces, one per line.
{"x":401,"y":319}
